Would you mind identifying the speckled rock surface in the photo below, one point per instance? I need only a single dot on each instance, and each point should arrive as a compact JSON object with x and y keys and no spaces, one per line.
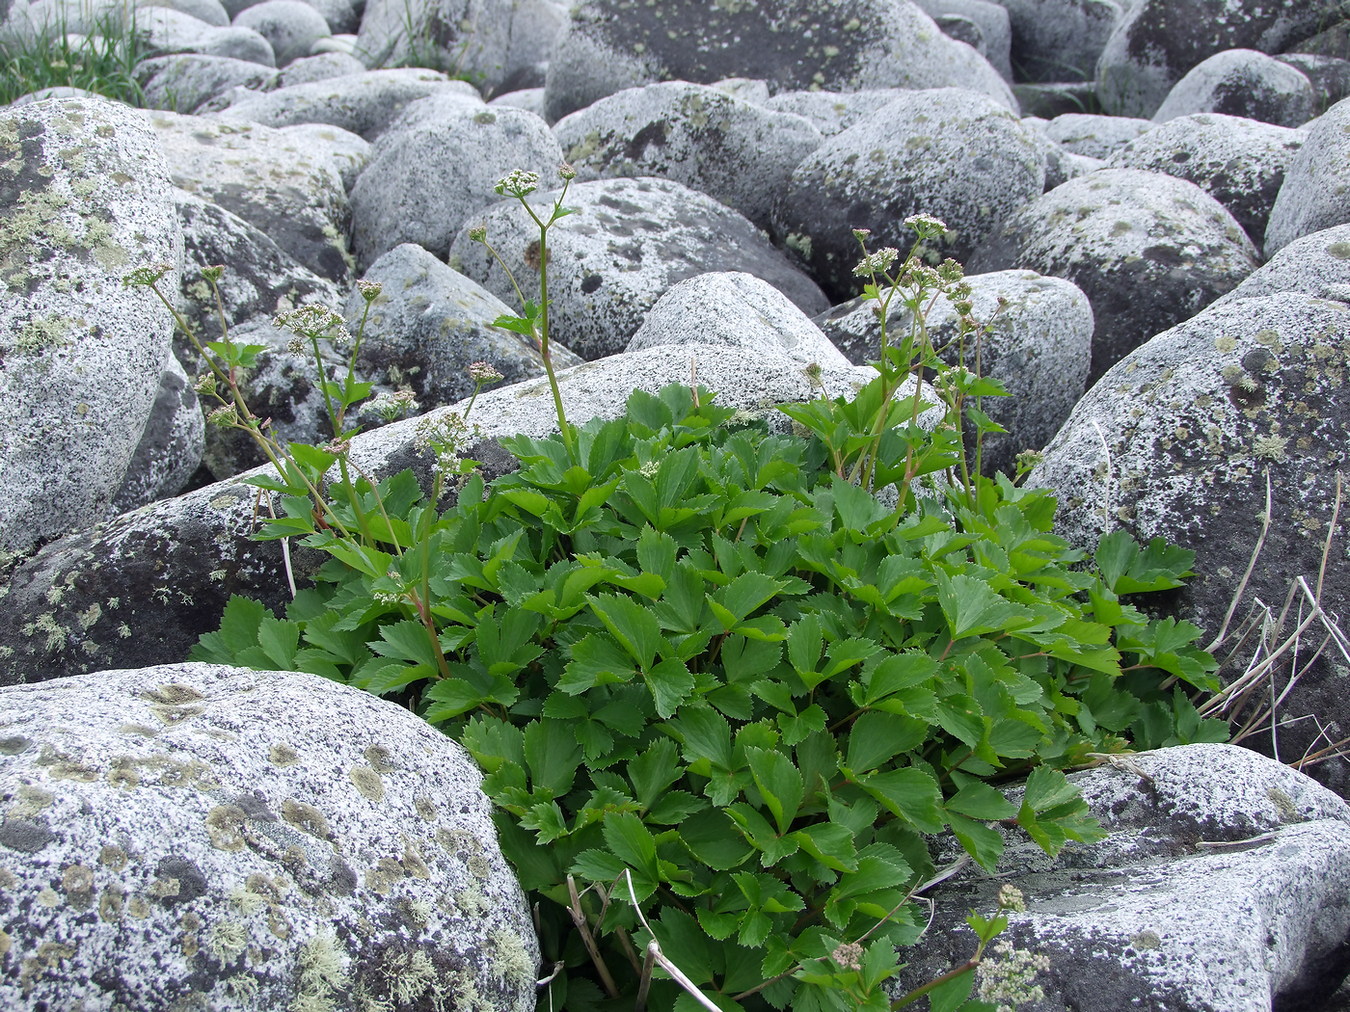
{"x":247,"y":840}
{"x":1158,"y":41}
{"x":841,"y":45}
{"x":489,"y":39}
{"x":287,"y":189}
{"x":1220,"y":888}
{"x":987,"y":22}
{"x":629,"y":242}
{"x":739,"y":311}
{"x":1316,"y":190}
{"x":184,"y":81}
{"x":898,"y":162}
{"x":428,"y":174}
{"x":172,"y":31}
{"x":290,"y":27}
{"x":737,"y":153}
{"x":322,"y":66}
{"x":1038,"y":347}
{"x":363,"y":103}
{"x":170,"y":446}
{"x":1192,"y":420}
{"x":84,"y":198}
{"x":833,"y":112}
{"x":1330,"y":77}
{"x":1060,"y":40}
{"x":349,"y":151}
{"x":1149,"y":250}
{"x":431,"y":323}
{"x":1242,"y":82}
{"x":259,"y":281}
{"x":1095,"y":136}
{"x":1239,"y":162}
{"x":1316,"y":265}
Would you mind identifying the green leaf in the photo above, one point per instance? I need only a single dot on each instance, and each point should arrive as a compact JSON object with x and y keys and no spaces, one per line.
{"x":830,"y":844}
{"x":634,"y":626}
{"x":552,"y":755}
{"x":711,"y":837}
{"x":1128,"y":569}
{"x":596,"y":660}
{"x":654,"y":771}
{"x":979,"y":800}
{"x":981,"y":842}
{"x":909,"y":793}
{"x":779,"y":784}
{"x":670,"y":683}
{"x":633,"y":844}
{"x":406,"y":641}
{"x":973,"y":608}
{"x":238,"y":632}
{"x":877,"y":737}
{"x":743,"y":595}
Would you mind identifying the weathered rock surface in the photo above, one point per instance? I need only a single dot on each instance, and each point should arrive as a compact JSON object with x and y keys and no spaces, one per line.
{"x":1316,"y":265}
{"x":171,"y":444}
{"x":1149,"y":250}
{"x":1185,"y":906}
{"x":1095,"y":136}
{"x":1060,"y":40}
{"x":1316,"y":190}
{"x":195,"y":835}
{"x":183,"y":82}
{"x":630,"y":241}
{"x":1242,"y":82}
{"x":290,"y":27}
{"x":84,"y":198}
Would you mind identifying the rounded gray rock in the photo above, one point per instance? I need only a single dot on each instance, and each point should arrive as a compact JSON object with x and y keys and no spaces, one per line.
{"x":84,"y":199}
{"x":631,"y":240}
{"x":1242,"y":82}
{"x":737,"y":153}
{"x":950,"y":153}
{"x":171,"y":444}
{"x":1317,"y":264}
{"x":194,"y":835}
{"x":428,"y":174}
{"x":183,"y":82}
{"x":1095,"y":136}
{"x":290,"y":27}
{"x":1316,"y":190}
{"x":319,"y":67}
{"x":172,"y":31}
{"x":841,"y":45}
{"x":1148,"y":250}
{"x":1241,"y":163}
{"x":833,"y":112}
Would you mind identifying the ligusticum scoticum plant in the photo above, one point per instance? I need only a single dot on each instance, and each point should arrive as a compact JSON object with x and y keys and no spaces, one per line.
{"x":723,"y":698}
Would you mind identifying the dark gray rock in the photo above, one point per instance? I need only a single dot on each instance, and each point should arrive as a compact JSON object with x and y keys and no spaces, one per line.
{"x":1053,"y":99}
{"x":201,"y":836}
{"x":1059,"y":40}
{"x":84,"y":198}
{"x":1038,"y":345}
{"x":843,"y":45}
{"x":1158,"y":41}
{"x":183,"y":82}
{"x":1175,"y":441}
{"x":737,"y":153}
{"x":1242,"y":82}
{"x":1316,"y":190}
{"x":1174,"y":909}
{"x":1330,"y":77}
{"x":954,"y":154}
{"x":1148,"y":250}
{"x":631,"y":241}
{"x":436,"y":167}
{"x":290,"y":27}
{"x":1241,"y":163}
{"x":431,"y":323}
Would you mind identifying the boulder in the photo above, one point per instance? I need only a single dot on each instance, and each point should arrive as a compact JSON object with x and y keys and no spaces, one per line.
{"x":833,"y":112}
{"x":363,"y":103}
{"x":290,"y":27}
{"x":1059,"y":40}
{"x":200,"y":836}
{"x":488,"y":40}
{"x":1316,"y":190}
{"x":276,"y":183}
{"x":183,"y":82}
{"x":840,"y":45}
{"x":1038,"y":344}
{"x":171,"y":444}
{"x":740,"y":311}
{"x":1241,"y":163}
{"x":172,"y":31}
{"x":1317,"y":264}
{"x":737,"y":153}
{"x":1176,"y":441}
{"x":84,"y":199}
{"x":1095,"y":136}
{"x":429,"y":172}
{"x":1242,"y":82}
{"x":1330,"y":77}
{"x":431,"y":323}
{"x":979,"y":23}
{"x":631,"y":240}
{"x":211,"y":11}
{"x":950,"y":153}
{"x":529,"y":99}
{"x":1219,"y":888}
{"x":1158,"y":41}
{"x":1147,"y":249}
{"x":342,"y":16}
{"x":322,"y":66}
{"x":349,"y":151}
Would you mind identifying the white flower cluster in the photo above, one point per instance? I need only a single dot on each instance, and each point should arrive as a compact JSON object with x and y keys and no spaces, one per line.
{"x":518,"y":184}
{"x":1007,"y":978}
{"x":876,"y":263}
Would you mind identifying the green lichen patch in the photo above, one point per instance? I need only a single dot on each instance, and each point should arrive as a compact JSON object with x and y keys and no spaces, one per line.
{"x":368,"y":782}
{"x":305,"y":818}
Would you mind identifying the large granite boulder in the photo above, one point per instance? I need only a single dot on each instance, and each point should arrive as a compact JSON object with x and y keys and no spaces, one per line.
{"x":898,"y":162}
{"x":1316,"y":190}
{"x":1149,"y":250}
{"x":290,"y":27}
{"x":1316,"y":265}
{"x":1242,"y":82}
{"x":171,"y":444}
{"x":1220,"y":887}
{"x":200,"y":836}
{"x":183,"y":82}
{"x":630,"y":240}
{"x":84,"y":198}
{"x":1176,"y":441}
{"x":840,"y":45}
{"x":736,"y":152}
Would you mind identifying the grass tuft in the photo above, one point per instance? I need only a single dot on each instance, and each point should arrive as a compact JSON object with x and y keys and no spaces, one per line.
{"x":103,"y":60}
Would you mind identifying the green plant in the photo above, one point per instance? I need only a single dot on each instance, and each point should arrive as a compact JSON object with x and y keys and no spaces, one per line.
{"x":102,"y":59}
{"x":722,"y":696}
